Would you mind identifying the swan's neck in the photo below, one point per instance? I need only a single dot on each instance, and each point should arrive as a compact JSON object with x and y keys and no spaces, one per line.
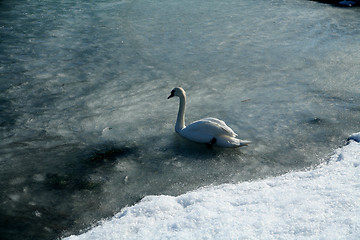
{"x":180,"y":121}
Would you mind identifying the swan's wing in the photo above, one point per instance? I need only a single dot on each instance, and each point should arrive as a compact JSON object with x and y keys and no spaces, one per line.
{"x":221,"y":124}
{"x":210,"y":127}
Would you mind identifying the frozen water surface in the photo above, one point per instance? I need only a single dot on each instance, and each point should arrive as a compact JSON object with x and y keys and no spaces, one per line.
{"x":86,"y":127}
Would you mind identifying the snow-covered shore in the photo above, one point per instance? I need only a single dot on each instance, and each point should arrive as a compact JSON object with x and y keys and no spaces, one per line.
{"x":316,"y":204}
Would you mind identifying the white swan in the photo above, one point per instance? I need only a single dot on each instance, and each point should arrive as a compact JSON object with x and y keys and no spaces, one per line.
{"x":211,"y":131}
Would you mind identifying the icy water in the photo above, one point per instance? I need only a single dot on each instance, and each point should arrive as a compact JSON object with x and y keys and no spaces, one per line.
{"x":86,"y":126}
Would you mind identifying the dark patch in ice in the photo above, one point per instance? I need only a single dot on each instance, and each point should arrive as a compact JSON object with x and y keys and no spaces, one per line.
{"x":82,"y":176}
{"x":100,"y":160}
{"x":316,"y":120}
{"x":44,"y":223}
{"x":70,"y":182}
{"x":7,"y":113}
{"x":355,"y":108}
{"x":108,"y":154}
{"x":354,"y":3}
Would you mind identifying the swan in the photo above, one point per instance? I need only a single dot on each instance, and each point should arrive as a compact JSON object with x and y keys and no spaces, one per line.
{"x":211,"y":131}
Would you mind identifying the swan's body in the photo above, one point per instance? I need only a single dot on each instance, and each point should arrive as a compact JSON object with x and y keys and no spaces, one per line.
{"x":207,"y":130}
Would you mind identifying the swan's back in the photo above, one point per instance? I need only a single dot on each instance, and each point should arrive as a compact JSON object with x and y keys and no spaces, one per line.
{"x":222,"y":125}
{"x":206,"y":129}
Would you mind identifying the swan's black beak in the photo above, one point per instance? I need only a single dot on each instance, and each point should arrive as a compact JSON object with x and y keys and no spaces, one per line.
{"x":171,"y":95}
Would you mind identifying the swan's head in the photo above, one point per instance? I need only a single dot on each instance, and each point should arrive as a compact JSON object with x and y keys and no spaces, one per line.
{"x":178,"y":91}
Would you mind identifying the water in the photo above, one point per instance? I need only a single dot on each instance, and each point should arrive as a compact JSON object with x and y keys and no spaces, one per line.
{"x":86,"y":127}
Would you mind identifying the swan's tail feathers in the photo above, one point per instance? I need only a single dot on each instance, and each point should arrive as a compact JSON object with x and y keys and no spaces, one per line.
{"x":243,"y":142}
{"x":231,"y":142}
